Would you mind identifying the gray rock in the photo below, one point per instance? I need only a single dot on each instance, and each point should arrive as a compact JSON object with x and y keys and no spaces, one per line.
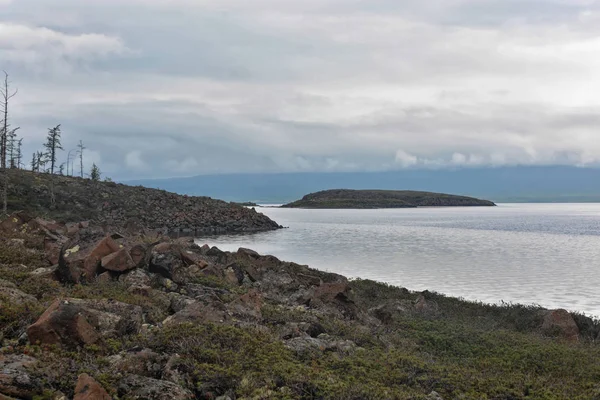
{"x":15,"y":378}
{"x":143,"y":388}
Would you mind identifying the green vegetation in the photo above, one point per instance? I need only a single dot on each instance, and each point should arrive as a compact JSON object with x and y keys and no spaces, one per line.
{"x":343,"y":198}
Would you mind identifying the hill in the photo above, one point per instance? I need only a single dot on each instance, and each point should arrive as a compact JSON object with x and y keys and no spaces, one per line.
{"x":138,"y":317}
{"x":344,"y":198}
{"x":501,"y":184}
{"x":117,"y":205}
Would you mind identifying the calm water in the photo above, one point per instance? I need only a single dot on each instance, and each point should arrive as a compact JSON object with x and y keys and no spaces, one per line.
{"x":547,"y":254}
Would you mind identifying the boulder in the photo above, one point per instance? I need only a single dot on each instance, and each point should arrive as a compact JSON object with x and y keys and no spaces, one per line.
{"x":79,"y":262}
{"x":561,"y":322}
{"x":198,"y":312}
{"x":424,"y":306}
{"x":166,"y":260}
{"x":247,"y":306}
{"x":63,"y":323}
{"x":119,"y":261}
{"x":137,"y":277}
{"x":144,"y":363}
{"x":9,"y":293}
{"x":15,"y":378}
{"x":138,"y":387}
{"x":138,"y":255}
{"x":14,"y":222}
{"x":75,"y":322}
{"x":88,"y":389}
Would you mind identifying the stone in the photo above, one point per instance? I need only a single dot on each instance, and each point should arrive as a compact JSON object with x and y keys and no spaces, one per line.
{"x":63,"y":323}
{"x":137,"y":277}
{"x":165,"y":260}
{"x":79,"y":262}
{"x":15,"y":378}
{"x":104,"y":277}
{"x":144,"y":362}
{"x":119,"y":261}
{"x":434,"y":396}
{"x":88,"y":388}
{"x":424,"y":306}
{"x":137,"y":387}
{"x":138,"y":255}
{"x":197,"y":312}
{"x":16,"y":296}
{"x":561,"y":322}
{"x":76,"y":322}
{"x":247,"y":306}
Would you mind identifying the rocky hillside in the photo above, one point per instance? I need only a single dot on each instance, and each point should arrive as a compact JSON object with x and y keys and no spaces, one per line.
{"x":118,"y":205}
{"x":88,"y":313}
{"x":344,"y":198}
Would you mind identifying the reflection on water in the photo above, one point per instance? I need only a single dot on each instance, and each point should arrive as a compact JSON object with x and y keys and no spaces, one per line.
{"x":548,"y":254}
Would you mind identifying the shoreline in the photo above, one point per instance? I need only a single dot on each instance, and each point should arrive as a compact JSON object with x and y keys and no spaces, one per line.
{"x":149,"y":316}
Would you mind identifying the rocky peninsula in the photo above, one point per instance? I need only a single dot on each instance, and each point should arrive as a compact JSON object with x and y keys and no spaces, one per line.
{"x":116,"y":205}
{"x":89,"y":311}
{"x":371,"y":199}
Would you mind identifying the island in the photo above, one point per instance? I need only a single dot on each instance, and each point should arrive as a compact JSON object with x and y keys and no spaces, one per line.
{"x":372,"y":199}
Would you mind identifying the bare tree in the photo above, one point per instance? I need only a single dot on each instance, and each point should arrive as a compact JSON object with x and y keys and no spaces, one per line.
{"x":81,"y":149}
{"x":5,"y":95}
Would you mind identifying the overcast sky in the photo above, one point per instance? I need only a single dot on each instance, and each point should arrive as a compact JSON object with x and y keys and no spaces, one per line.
{"x":159,"y":88}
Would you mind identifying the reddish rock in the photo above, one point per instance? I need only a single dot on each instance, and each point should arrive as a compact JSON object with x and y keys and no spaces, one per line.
{"x":84,"y":224}
{"x":88,"y":389}
{"x":62,"y":323}
{"x":247,"y":306}
{"x":72,"y":229}
{"x":75,"y":322}
{"x":119,"y":261}
{"x":138,"y":255}
{"x":561,"y":322}
{"x":328,"y":292}
{"x":80,"y":262}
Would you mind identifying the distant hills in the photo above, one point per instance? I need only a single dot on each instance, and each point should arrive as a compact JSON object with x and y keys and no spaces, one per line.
{"x":505,"y":184}
{"x":366,"y":199}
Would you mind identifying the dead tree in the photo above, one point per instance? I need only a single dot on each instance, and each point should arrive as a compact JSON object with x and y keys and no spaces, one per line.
{"x":5,"y":95}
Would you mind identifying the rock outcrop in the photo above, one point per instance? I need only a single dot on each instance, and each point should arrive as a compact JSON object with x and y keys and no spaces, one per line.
{"x":128,"y":208}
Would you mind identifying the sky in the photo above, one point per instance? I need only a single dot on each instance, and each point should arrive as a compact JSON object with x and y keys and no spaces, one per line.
{"x":158,"y":88}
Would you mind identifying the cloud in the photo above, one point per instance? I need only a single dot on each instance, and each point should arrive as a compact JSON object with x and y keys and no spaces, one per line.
{"x":40,"y":48}
{"x":211,"y":86}
{"x":134,"y":160}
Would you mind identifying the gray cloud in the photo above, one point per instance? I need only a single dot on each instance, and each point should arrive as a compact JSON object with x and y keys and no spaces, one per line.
{"x":185,"y":87}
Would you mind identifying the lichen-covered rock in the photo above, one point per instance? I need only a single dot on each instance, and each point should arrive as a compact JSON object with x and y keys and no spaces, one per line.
{"x":15,"y":376}
{"x":88,"y":388}
{"x":80,"y":262}
{"x":75,"y":322}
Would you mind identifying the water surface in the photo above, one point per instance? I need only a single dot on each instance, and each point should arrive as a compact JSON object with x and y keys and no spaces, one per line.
{"x":546,"y":254}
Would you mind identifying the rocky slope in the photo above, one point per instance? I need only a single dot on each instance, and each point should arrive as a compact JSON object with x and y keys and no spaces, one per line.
{"x":118,"y":205}
{"x":344,"y":198}
{"x":89,"y":313}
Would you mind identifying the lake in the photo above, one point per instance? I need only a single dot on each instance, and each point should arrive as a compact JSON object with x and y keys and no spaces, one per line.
{"x":546,"y":254}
